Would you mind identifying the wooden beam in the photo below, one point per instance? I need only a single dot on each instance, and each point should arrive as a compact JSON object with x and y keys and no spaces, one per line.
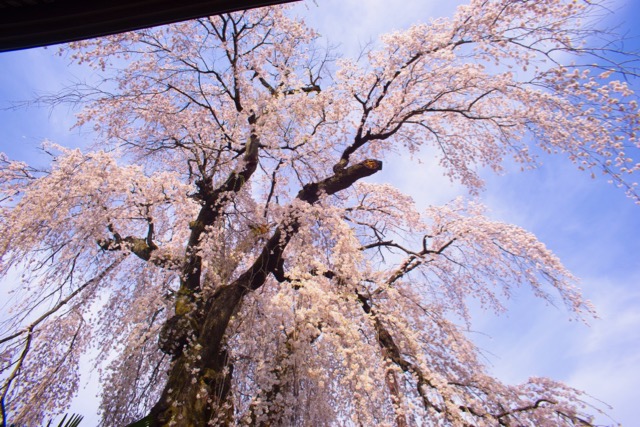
{"x":32,"y":23}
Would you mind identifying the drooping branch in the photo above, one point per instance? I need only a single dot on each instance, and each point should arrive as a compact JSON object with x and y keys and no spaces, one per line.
{"x":62,"y":302}
{"x":391,"y":351}
{"x":281,"y":370}
{"x":415,"y":258}
{"x":30,"y":329}
{"x":16,"y":371}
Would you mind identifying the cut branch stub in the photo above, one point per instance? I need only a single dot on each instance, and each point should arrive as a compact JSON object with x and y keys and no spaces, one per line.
{"x":342,"y":179}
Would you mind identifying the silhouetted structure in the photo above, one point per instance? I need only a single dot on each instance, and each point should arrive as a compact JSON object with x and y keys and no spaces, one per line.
{"x":32,"y":23}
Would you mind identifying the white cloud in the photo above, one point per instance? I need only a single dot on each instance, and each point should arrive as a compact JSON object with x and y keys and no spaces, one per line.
{"x":354,"y":23}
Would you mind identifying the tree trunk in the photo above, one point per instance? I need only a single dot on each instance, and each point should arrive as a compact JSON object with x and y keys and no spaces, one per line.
{"x":199,"y":381}
{"x":197,"y":390}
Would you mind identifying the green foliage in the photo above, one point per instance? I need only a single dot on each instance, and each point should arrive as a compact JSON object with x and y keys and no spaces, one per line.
{"x":73,"y":421}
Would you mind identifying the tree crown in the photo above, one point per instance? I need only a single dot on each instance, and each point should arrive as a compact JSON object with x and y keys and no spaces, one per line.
{"x":233,"y":157}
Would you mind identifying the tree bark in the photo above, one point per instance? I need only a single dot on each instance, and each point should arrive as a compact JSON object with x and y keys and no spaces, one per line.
{"x":197,"y":390}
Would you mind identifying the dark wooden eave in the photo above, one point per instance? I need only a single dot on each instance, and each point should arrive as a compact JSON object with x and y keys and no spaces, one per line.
{"x":32,"y":23}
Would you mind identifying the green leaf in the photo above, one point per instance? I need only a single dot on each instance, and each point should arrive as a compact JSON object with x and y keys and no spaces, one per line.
{"x":73,"y":421}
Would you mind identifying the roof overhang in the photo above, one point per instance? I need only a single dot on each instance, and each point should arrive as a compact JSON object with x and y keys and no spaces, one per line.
{"x":31,"y":23}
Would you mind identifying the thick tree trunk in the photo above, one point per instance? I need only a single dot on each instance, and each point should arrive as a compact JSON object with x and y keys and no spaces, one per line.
{"x":199,"y":381}
{"x":197,"y":390}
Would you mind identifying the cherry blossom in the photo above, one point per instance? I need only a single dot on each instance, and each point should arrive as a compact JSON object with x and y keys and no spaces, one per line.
{"x":224,"y":254}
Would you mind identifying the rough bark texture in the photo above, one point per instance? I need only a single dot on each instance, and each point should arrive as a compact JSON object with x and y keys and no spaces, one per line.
{"x":197,"y":390}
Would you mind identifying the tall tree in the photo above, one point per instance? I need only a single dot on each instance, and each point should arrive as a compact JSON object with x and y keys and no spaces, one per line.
{"x":223,"y":249}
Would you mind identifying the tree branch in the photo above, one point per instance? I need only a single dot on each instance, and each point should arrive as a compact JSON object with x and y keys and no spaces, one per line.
{"x":268,"y":259}
{"x":391,"y":352}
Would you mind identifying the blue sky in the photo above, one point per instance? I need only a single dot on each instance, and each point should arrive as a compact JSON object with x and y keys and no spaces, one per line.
{"x":590,"y":224}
